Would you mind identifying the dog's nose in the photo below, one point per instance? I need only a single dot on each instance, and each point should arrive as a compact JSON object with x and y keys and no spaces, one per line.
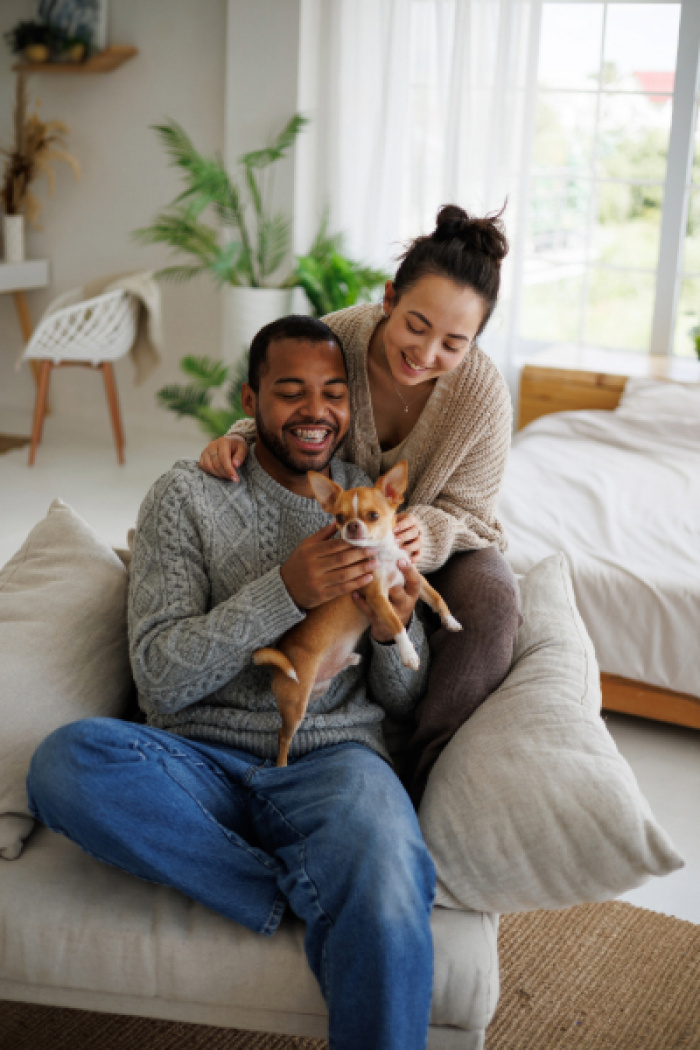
{"x":353,"y":529}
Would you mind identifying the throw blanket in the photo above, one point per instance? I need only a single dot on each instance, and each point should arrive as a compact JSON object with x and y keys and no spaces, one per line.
{"x":146,"y":350}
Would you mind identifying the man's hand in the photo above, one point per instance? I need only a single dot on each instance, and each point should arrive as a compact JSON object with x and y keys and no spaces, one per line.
{"x":408,"y":531}
{"x":323,"y":567}
{"x":403,"y":599}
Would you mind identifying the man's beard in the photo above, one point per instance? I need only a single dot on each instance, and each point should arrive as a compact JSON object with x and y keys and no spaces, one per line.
{"x":284,"y":455}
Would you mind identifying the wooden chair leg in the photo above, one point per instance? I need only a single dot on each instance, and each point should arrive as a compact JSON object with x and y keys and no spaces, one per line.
{"x":111,"y":391}
{"x":25,"y":324}
{"x":40,"y":408}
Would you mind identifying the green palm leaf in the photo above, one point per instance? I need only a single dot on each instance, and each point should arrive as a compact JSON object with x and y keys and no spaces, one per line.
{"x":179,"y":274}
{"x":206,"y":372}
{"x":183,"y":400}
{"x":233,"y":394}
{"x":215,"y":421}
{"x":273,"y":241}
{"x":182,"y":233}
{"x":261,"y":158}
{"x":228,"y":264}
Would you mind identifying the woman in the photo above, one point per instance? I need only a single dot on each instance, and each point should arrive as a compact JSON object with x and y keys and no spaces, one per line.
{"x":421,"y":389}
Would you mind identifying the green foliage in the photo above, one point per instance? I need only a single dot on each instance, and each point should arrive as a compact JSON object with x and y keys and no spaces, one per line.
{"x":695,"y":336}
{"x":330,"y":279}
{"x":195,"y":398}
{"x":26,"y":33}
{"x":563,"y":145}
{"x":254,"y":241}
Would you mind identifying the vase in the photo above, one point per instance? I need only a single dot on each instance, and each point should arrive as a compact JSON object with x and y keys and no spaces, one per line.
{"x":13,"y":238}
{"x":246,"y":310}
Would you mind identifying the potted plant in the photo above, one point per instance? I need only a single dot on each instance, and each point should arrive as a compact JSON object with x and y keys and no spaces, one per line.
{"x":36,"y":144}
{"x":330,"y":279}
{"x":36,"y":41}
{"x":244,"y":254}
{"x":195,"y":398}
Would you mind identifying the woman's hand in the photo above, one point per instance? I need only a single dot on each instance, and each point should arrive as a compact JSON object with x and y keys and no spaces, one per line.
{"x":223,"y":456}
{"x":409,"y":534}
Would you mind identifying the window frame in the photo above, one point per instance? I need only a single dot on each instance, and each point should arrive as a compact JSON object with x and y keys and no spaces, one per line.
{"x":668,"y":273}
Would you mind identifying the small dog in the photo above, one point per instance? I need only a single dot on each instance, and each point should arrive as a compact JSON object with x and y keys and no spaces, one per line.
{"x":309,"y":655}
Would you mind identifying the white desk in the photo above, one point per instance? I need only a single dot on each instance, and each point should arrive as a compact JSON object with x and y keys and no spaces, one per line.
{"x":18,"y":278}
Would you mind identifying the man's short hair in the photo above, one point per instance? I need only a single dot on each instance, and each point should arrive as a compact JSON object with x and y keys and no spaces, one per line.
{"x":294,"y":326}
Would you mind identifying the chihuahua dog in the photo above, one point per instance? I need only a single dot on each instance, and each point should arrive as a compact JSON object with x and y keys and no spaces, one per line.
{"x":309,"y":655}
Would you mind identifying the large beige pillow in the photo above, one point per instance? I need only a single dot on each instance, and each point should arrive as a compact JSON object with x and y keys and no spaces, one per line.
{"x":531,"y":805}
{"x":63,"y":649}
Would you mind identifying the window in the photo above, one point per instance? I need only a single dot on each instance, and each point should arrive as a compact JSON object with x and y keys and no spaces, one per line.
{"x":687,"y":327}
{"x":611,"y":187}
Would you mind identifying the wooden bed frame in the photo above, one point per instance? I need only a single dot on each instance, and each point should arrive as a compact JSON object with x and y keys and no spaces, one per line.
{"x":570,"y":378}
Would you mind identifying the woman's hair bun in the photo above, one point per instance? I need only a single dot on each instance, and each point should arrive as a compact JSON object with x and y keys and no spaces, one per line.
{"x":466,"y":250}
{"x":485,"y":235}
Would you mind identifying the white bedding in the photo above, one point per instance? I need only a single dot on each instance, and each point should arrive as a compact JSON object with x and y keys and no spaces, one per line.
{"x":619,"y":493}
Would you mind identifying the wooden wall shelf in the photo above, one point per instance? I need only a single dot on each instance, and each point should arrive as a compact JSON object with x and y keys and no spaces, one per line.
{"x":103,"y":62}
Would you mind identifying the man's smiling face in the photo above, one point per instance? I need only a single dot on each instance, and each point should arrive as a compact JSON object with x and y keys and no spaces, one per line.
{"x":301,"y":410}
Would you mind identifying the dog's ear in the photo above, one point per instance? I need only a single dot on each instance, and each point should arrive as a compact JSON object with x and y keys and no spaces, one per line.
{"x":392,"y":485}
{"x":324,"y":489}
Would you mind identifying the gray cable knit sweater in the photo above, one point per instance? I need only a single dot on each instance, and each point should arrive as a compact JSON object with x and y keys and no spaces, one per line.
{"x":205,"y":592}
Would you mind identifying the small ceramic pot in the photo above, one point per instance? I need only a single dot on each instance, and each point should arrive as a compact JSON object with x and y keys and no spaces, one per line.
{"x":75,"y":53}
{"x":36,"y":53}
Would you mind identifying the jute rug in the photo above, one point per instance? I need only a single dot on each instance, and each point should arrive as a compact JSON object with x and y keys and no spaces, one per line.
{"x":596,"y":977}
{"x":9,"y":442}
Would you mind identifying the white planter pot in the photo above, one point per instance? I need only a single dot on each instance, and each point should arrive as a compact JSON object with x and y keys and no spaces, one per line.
{"x":246,"y":310}
{"x":13,"y":238}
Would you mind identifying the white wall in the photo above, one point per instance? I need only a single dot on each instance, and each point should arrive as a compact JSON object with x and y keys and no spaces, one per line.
{"x":180,"y":73}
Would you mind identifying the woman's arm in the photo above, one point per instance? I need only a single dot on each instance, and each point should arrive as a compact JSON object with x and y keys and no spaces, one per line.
{"x":463,"y":514}
{"x":224,"y":456}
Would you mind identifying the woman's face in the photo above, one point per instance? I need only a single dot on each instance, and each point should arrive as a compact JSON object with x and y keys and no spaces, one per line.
{"x":430,"y":329}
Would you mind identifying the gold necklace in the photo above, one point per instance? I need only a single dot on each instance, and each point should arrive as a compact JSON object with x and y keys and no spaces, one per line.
{"x":406,"y":405}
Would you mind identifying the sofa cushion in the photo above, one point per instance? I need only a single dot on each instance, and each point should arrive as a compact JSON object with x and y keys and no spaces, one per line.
{"x":71,"y":922}
{"x":531,"y":805}
{"x":63,"y":649}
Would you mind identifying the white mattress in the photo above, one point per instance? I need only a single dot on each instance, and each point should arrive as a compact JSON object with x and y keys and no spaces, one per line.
{"x":619,"y":493}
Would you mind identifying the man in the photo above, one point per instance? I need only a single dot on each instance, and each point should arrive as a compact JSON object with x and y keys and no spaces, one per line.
{"x":193,"y":798}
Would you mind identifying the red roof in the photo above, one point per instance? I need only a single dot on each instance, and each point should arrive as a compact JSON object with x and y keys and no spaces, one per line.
{"x":655,"y":82}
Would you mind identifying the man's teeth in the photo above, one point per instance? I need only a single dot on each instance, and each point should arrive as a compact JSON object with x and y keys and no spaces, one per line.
{"x":315,"y":436}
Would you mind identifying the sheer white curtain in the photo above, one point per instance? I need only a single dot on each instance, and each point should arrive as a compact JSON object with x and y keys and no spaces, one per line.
{"x":421,"y":102}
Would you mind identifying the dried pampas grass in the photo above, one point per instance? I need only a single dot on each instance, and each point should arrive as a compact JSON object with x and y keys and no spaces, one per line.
{"x":37,"y":145}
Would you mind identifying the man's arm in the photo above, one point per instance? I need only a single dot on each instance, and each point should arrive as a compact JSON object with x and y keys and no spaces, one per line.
{"x":391,"y":685}
{"x":181,"y":649}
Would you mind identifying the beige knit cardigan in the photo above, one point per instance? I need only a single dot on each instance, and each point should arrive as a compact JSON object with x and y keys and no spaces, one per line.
{"x":456,"y":451}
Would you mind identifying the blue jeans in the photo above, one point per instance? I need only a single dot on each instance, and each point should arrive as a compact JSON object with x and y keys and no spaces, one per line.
{"x":333,"y":834}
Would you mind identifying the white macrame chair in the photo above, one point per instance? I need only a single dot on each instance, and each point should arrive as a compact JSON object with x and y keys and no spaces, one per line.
{"x":88,"y":332}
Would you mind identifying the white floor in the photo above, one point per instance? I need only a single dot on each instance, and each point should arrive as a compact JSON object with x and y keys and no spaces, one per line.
{"x":80,"y":468}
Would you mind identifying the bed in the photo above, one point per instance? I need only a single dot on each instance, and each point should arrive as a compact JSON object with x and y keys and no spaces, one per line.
{"x":619,"y":492}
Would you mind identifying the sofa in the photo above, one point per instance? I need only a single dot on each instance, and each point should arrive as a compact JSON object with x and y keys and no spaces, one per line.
{"x":530,"y":806}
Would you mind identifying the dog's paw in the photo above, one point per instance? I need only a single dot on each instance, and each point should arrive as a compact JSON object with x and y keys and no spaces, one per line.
{"x":407,"y":654}
{"x":411,"y":660}
{"x":451,"y":624}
